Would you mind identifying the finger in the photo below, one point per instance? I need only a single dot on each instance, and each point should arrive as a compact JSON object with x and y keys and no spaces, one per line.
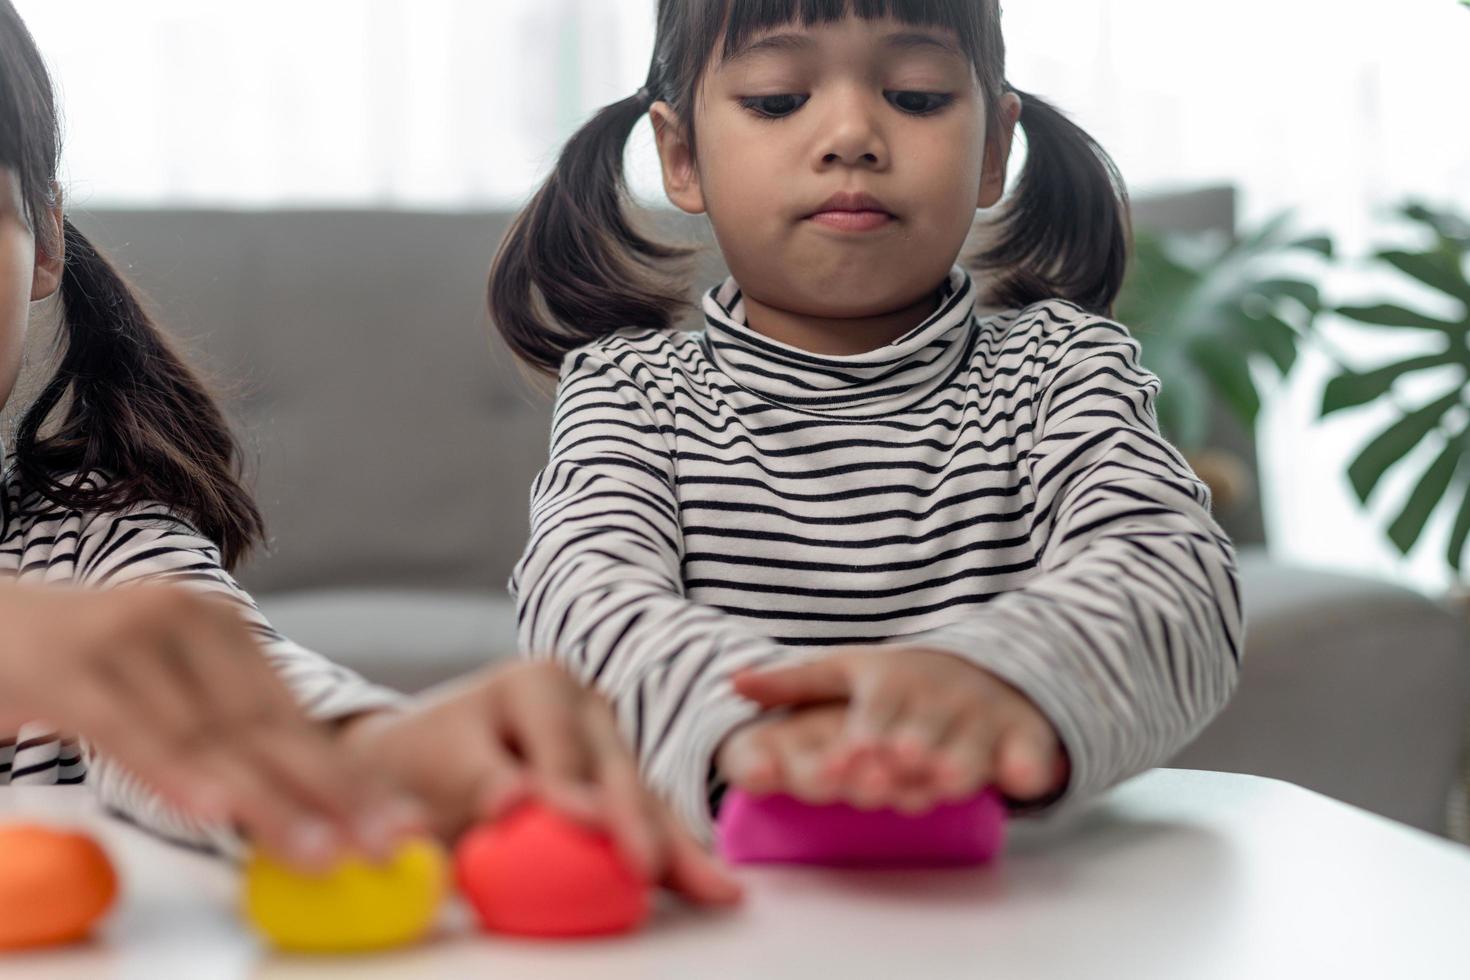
{"x":629,"y":819}
{"x":813,"y":733}
{"x":965,"y":758}
{"x":1026,"y":763}
{"x":916,"y":795}
{"x":808,"y":778}
{"x":147,"y":674}
{"x":692,"y":871}
{"x":271,"y":820}
{"x":819,"y":680}
{"x":872,"y":784}
{"x":502,"y":782}
{"x":915,"y":740}
{"x":876,"y":709}
{"x":261,"y":725}
{"x":749,"y":762}
{"x":119,"y":729}
{"x":304,"y":763}
{"x":536,"y":717}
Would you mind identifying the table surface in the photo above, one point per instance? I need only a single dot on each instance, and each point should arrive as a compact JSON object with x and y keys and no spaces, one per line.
{"x":1175,"y":874}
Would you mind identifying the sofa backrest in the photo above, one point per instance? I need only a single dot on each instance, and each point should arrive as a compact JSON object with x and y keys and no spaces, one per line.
{"x":393,"y":441}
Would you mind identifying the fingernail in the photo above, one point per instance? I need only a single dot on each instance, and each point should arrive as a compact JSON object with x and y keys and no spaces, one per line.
{"x":209,"y":805}
{"x":645,"y":859}
{"x":377,"y":832}
{"x":312,"y":842}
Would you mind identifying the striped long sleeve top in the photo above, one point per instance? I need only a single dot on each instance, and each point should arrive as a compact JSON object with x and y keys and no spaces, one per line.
{"x":992,"y":484}
{"x":41,"y":543}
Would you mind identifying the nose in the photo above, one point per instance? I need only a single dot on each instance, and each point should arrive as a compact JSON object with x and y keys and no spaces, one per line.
{"x":852,"y":135}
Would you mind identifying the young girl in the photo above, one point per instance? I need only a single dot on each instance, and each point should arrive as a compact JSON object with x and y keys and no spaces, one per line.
{"x":933,"y":509}
{"x":122,"y":511}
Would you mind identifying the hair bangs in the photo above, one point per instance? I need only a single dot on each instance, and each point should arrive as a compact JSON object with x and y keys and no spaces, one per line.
{"x":741,"y":21}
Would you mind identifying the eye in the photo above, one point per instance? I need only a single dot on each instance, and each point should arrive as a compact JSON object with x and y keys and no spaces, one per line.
{"x":918,"y":103}
{"x":774,"y":106}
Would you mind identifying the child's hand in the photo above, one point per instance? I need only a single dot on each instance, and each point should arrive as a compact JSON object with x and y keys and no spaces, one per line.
{"x":799,"y":753}
{"x":921,"y":726}
{"x":787,"y":753}
{"x":475,"y":748}
{"x":173,"y":686}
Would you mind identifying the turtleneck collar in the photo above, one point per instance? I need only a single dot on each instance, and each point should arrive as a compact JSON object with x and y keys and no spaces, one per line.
{"x":879,"y":381}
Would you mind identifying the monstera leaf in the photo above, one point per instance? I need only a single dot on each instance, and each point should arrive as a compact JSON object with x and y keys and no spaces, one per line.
{"x":1204,"y":308}
{"x":1441,"y":267}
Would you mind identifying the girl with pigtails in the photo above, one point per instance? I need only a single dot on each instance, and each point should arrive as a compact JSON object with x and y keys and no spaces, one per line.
{"x":892,"y":525}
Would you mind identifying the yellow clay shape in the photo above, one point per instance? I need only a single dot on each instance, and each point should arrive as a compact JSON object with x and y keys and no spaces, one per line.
{"x":355,"y":907}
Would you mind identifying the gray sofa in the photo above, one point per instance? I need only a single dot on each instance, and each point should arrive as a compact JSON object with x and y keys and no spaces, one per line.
{"x":394,"y":442}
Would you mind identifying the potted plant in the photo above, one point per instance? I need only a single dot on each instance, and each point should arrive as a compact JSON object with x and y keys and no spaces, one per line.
{"x":1440,"y":266}
{"x":1205,"y":308}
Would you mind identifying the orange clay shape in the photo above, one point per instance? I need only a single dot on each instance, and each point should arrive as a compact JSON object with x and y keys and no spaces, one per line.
{"x":54,"y":886}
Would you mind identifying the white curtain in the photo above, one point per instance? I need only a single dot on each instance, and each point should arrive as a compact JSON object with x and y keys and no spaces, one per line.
{"x":439,"y":103}
{"x":1336,"y":108}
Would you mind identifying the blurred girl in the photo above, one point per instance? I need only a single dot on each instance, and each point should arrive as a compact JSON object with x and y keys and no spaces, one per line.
{"x":122,"y":513}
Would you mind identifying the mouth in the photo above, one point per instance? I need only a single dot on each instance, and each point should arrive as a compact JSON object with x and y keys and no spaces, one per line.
{"x":851,"y":211}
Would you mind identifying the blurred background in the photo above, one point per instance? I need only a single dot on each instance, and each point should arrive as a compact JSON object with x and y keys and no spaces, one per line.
{"x":1337,"y":111}
{"x":311,"y":193}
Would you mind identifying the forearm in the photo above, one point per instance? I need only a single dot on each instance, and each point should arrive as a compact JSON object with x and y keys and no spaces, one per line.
{"x":1129,"y":647}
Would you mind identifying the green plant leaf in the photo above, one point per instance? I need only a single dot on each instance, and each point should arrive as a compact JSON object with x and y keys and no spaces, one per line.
{"x":1390,"y":315}
{"x":1230,"y":375}
{"x":1405,"y":530}
{"x":1275,"y":338}
{"x":1354,"y":388}
{"x":1320,"y":244}
{"x":1184,"y":407}
{"x":1450,"y":227}
{"x":1460,"y":532}
{"x":1441,"y":268}
{"x":1203,"y":308}
{"x":1396,"y":442}
{"x":1305,"y":293}
{"x":1438,"y":270}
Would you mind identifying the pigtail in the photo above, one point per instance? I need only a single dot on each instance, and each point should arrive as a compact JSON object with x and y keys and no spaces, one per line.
{"x":132,"y":413}
{"x":1066,"y":231}
{"x":573,"y":268}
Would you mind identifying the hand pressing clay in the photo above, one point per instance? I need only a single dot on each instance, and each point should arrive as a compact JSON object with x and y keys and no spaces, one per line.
{"x":538,"y":873}
{"x":783,"y":830}
{"x":54,"y":885}
{"x":355,"y":907}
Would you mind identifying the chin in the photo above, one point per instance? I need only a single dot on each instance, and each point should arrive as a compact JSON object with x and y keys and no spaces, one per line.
{"x":861,"y":290}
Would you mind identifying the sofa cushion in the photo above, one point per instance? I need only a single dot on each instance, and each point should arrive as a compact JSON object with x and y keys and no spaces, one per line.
{"x":1352,"y":687}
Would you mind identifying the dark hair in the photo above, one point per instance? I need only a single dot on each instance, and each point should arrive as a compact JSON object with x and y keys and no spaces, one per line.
{"x":128,"y":410}
{"x":573,"y":268}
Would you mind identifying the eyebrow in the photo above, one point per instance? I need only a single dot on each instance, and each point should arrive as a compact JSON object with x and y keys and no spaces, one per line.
{"x":773,"y":42}
{"x":902,"y":41}
{"x":907,"y":40}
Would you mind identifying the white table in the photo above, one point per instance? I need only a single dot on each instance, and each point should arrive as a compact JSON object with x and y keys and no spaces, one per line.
{"x":1177,"y":874}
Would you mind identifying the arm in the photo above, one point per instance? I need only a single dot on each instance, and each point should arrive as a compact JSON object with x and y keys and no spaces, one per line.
{"x":1128,"y":639}
{"x":599,"y":586}
{"x":145,"y":545}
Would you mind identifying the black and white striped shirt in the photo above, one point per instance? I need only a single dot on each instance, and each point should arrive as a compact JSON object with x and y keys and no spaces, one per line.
{"x":993,"y":483}
{"x":41,"y":543}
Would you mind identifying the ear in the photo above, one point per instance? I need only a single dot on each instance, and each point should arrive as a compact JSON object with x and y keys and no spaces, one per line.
{"x":676,"y":158}
{"x":998,"y":150}
{"x":50,"y":259}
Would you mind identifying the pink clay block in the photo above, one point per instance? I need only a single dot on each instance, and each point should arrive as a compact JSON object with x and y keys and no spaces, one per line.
{"x":783,"y":830}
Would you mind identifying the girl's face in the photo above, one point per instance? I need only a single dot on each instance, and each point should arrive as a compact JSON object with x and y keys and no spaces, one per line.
{"x":26,"y":275}
{"x":840,"y":164}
